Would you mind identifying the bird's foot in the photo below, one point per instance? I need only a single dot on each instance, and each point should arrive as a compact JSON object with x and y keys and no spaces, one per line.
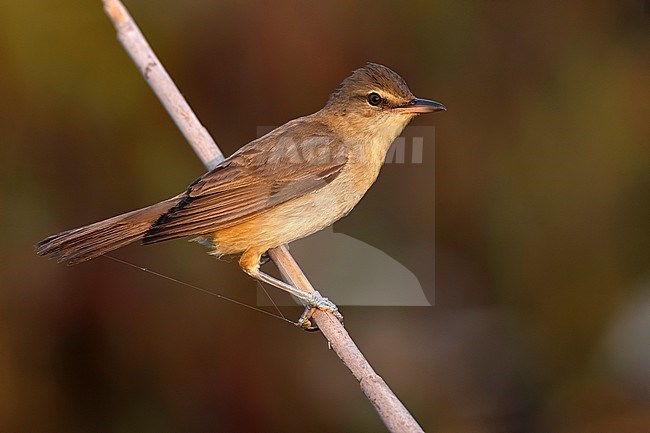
{"x":317,"y":302}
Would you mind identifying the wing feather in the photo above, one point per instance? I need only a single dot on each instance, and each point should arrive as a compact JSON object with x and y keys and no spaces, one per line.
{"x":261,"y":175}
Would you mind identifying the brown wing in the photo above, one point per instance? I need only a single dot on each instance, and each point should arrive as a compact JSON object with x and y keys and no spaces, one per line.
{"x":291,"y":161}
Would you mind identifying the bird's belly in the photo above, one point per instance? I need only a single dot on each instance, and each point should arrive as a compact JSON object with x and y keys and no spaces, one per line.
{"x":291,"y":220}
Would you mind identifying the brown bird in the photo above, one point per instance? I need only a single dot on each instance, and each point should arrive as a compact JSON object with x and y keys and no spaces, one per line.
{"x":294,"y":181}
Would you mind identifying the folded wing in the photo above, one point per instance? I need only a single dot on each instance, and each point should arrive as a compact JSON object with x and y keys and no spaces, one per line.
{"x":272,"y":170}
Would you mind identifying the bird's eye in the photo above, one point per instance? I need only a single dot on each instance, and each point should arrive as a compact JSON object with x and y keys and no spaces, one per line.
{"x":374,"y":99}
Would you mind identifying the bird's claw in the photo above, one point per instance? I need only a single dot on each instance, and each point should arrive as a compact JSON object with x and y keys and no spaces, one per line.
{"x":317,"y":302}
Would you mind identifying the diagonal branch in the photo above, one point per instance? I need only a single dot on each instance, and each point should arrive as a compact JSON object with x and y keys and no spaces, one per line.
{"x":392,"y":412}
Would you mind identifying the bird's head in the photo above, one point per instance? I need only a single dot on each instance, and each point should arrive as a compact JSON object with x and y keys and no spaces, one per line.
{"x":375,"y":99}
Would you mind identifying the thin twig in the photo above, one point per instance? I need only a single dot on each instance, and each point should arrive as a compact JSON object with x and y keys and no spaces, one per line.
{"x":392,"y":412}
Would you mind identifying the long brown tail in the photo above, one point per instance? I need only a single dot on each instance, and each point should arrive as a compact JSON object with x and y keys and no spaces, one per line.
{"x":85,"y":243}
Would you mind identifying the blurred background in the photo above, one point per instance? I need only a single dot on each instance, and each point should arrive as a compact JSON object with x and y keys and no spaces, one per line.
{"x":527,"y":224}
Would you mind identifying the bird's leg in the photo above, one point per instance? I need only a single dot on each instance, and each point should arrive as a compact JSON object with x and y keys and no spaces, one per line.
{"x":265,"y":258}
{"x":250,"y":263}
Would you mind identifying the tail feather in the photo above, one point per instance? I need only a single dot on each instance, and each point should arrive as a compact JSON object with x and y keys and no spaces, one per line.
{"x":85,"y":243}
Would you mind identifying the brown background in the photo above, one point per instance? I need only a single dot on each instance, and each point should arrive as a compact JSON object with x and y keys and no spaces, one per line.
{"x":541,"y":204}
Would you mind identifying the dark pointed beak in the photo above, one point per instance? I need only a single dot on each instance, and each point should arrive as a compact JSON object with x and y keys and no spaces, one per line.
{"x":418,"y":106}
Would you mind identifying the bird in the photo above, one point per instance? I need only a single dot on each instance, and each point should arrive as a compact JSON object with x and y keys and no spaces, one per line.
{"x":292,"y":182}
